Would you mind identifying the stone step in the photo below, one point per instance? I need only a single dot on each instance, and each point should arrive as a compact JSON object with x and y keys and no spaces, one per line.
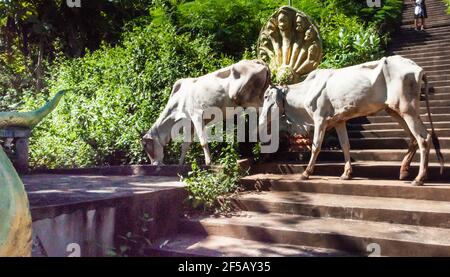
{"x":437,"y":17}
{"x":375,"y":155}
{"x":439,"y":89}
{"x":383,"y":176}
{"x":418,"y":36}
{"x":438,"y":41}
{"x":430,"y":24}
{"x":432,"y":62}
{"x":411,"y":51}
{"x":185,"y":245}
{"x":382,"y":119}
{"x":445,"y":132}
{"x":438,"y":96}
{"x":352,"y":236}
{"x":431,"y":10}
{"x":393,"y":125}
{"x":430,"y":5}
{"x":385,"y":143}
{"x":420,"y":48}
{"x":434,"y":110}
{"x":429,"y":59}
{"x":422,"y":55}
{"x":440,"y":77}
{"x":435,"y":103}
{"x":434,"y":30}
{"x":444,"y":72}
{"x":380,"y":209}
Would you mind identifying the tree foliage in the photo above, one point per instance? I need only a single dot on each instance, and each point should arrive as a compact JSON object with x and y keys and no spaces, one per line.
{"x":120,"y":58}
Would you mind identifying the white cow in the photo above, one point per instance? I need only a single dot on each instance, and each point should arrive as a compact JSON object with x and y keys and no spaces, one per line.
{"x":240,"y":85}
{"x":329,"y":97}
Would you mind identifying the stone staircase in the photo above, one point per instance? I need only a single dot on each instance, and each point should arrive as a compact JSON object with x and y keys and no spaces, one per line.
{"x":325,"y":216}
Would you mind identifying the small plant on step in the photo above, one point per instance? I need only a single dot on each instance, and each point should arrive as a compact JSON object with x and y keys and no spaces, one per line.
{"x":134,"y":243}
{"x":212,"y":189}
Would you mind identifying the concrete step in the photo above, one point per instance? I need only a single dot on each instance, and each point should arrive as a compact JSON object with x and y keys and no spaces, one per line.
{"x":432,"y":62}
{"x":438,"y":89}
{"x":438,"y":41}
{"x":429,"y":59}
{"x":391,"y":133}
{"x":443,"y":75}
{"x":393,"y":125}
{"x":417,"y":43}
{"x":438,"y":72}
{"x":435,"y":15}
{"x":433,"y":11}
{"x":385,"y":143}
{"x":419,"y":48}
{"x":380,"y":209}
{"x":435,"y":103}
{"x":422,"y":55}
{"x":423,"y":109}
{"x":280,"y":176}
{"x":412,"y":32}
{"x":418,"y":51}
{"x":430,"y":24}
{"x":435,"y":110}
{"x":437,"y":18}
{"x":348,"y":235}
{"x":438,"y":96}
{"x":382,"y":119}
{"x":185,"y":245}
{"x":375,"y":155}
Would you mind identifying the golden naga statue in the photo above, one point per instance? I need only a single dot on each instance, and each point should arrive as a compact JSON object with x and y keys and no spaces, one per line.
{"x":290,"y":44}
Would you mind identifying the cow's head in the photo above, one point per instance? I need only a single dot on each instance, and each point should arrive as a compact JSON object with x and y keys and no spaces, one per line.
{"x":152,"y":145}
{"x":273,"y":98}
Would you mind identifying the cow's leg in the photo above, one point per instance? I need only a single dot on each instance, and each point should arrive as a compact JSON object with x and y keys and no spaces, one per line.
{"x":412,"y":148}
{"x":423,"y":138}
{"x":341,"y":131}
{"x":198,"y":126}
{"x":319,"y":133}
{"x":185,"y":146}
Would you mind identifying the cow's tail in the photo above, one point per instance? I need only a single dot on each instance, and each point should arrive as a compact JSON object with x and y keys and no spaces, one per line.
{"x":434,"y":137}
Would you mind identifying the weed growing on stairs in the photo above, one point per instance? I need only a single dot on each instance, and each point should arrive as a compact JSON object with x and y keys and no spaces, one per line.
{"x":212,"y":189}
{"x":134,"y":243}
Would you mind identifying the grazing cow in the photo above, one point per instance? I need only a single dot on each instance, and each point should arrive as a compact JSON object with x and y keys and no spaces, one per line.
{"x":240,"y":85}
{"x":329,"y":97}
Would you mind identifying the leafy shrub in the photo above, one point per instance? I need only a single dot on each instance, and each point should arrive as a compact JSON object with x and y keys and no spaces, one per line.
{"x":208,"y":188}
{"x":348,"y":41}
{"x":117,"y":93}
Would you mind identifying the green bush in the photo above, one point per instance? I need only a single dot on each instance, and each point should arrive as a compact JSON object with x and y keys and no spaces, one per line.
{"x":348,"y":41}
{"x":118,"y":91}
{"x":208,"y":188}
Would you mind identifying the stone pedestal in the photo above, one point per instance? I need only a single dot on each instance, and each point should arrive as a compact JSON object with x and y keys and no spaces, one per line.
{"x":15,"y":143}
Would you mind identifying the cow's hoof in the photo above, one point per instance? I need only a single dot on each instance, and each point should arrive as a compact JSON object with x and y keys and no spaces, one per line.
{"x":304,"y":177}
{"x":417,"y":183}
{"x":403,"y":175}
{"x":346,"y":177}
